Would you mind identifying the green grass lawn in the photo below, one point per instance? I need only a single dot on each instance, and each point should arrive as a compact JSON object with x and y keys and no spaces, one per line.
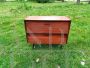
{"x":15,"y":52}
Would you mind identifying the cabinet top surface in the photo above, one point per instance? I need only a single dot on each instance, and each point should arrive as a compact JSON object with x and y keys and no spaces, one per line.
{"x":48,"y":18}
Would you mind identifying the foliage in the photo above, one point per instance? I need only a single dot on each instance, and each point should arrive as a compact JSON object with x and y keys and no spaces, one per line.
{"x":44,"y":1}
{"x":2,"y":0}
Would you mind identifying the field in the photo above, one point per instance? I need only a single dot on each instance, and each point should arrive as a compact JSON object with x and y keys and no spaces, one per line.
{"x":15,"y":52}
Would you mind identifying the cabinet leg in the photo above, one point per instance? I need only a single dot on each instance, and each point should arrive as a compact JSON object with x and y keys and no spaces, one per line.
{"x":61,"y":46}
{"x":33,"y":46}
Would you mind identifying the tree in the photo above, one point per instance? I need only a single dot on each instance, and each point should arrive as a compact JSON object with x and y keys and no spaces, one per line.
{"x":89,"y":2}
{"x":78,"y":1}
{"x":62,"y":0}
{"x":45,"y":1}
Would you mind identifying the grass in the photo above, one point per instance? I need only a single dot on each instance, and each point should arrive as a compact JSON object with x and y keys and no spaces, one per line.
{"x":15,"y":52}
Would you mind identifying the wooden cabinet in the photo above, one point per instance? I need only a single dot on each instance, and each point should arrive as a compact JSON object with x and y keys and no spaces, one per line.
{"x":47,"y":29}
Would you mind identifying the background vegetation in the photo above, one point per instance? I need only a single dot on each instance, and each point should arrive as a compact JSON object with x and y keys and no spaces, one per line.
{"x":48,"y":1}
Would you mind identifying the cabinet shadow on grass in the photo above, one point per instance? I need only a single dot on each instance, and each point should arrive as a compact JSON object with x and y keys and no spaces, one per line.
{"x":47,"y":47}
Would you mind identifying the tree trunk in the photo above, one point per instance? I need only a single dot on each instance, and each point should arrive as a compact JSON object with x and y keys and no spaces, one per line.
{"x":62,"y":0}
{"x":89,"y":2}
{"x":78,"y":1}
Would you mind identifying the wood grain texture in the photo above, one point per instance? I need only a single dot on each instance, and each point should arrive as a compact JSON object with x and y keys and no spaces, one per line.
{"x":47,"y":18}
{"x":47,"y":29}
{"x":46,"y":39}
